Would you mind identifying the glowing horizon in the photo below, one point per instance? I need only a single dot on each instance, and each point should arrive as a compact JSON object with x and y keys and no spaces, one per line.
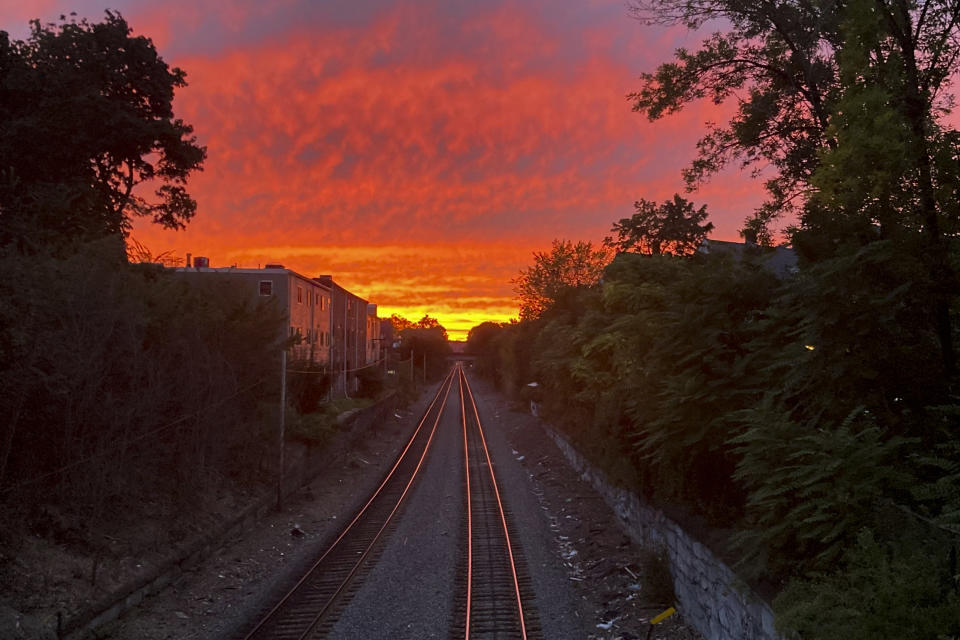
{"x":464,"y":293}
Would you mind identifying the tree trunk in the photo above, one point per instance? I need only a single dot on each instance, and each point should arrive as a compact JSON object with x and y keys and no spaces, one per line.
{"x":917,"y":109}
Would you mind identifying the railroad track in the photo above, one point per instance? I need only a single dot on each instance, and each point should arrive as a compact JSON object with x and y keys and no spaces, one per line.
{"x":495,"y":599}
{"x":493,"y":596}
{"x":307,"y":609}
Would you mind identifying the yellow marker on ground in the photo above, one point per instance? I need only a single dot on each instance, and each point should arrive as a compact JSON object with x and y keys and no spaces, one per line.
{"x":663,"y":616}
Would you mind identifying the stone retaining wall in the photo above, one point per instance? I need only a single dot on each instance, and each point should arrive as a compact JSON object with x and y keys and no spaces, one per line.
{"x":710,"y":596}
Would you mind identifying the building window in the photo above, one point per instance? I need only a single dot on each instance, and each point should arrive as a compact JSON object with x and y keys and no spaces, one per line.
{"x":299,"y":295}
{"x":266,"y":287}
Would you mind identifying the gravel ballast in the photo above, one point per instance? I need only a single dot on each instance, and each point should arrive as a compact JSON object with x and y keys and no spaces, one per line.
{"x":586,"y":573}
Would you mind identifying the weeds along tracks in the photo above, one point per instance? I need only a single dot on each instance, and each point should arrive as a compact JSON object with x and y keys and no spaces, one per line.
{"x":308,"y":606}
{"x":495,"y":596}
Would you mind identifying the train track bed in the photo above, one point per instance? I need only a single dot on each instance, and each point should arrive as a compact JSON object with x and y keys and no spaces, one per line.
{"x":587,"y":543}
{"x":216,"y":598}
{"x":494,"y":596}
{"x":555,"y":514}
{"x":416,"y":591}
{"x":309,"y":608}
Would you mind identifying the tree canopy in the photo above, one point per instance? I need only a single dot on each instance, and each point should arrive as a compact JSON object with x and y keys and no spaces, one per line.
{"x":777,"y":62}
{"x":566,"y":265}
{"x":401,"y":324}
{"x":808,"y":79}
{"x":426,"y":342}
{"x":673,"y":227}
{"x":86,"y":116}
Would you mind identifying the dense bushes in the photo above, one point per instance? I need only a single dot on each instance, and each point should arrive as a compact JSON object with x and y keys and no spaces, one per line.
{"x":121,"y":380}
{"x":810,"y":415}
{"x":308,"y":386}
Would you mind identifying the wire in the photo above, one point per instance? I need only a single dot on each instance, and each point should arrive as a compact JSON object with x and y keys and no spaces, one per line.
{"x":366,"y":366}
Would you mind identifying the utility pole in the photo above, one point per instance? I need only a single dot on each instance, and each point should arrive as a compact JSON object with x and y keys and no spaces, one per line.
{"x":283,"y":412}
{"x":346,"y":345}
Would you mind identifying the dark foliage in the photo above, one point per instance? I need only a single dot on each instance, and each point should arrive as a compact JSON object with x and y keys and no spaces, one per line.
{"x":308,"y":386}
{"x":120,"y":381}
{"x":799,"y":413}
{"x":85,"y":116}
{"x":372,"y":381}
{"x":567,"y":265}
{"x":673,"y":227}
{"x":426,"y":345}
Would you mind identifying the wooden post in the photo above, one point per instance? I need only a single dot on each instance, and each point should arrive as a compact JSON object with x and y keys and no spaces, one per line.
{"x":283,"y":415}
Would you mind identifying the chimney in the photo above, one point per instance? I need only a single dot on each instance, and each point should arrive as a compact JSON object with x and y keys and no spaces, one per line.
{"x":189,"y":263}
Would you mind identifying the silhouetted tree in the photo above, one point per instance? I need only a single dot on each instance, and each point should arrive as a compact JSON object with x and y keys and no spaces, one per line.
{"x":428,"y":322}
{"x":776,"y":62}
{"x":482,"y":343}
{"x":432,"y":341}
{"x":833,"y":99}
{"x":565,"y":265}
{"x":85,"y":117}
{"x":673,"y":227}
{"x":401,"y":324}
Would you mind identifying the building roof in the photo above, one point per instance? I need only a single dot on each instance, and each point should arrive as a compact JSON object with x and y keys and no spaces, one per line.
{"x":780,"y":260}
{"x":272,"y":270}
{"x":325,"y":281}
{"x":328,"y":280}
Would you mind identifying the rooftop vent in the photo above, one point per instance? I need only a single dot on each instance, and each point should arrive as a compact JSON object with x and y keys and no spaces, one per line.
{"x":273,"y":266}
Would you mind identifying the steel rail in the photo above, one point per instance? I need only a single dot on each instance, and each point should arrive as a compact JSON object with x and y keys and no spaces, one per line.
{"x":317,"y":615}
{"x":469,"y":509}
{"x":468,"y":395}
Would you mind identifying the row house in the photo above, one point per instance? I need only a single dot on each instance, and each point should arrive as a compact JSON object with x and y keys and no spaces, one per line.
{"x":375,"y":342}
{"x":348,"y":340}
{"x":330,"y":323}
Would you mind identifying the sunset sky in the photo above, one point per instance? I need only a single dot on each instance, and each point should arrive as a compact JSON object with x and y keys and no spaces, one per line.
{"x":419,"y":152}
